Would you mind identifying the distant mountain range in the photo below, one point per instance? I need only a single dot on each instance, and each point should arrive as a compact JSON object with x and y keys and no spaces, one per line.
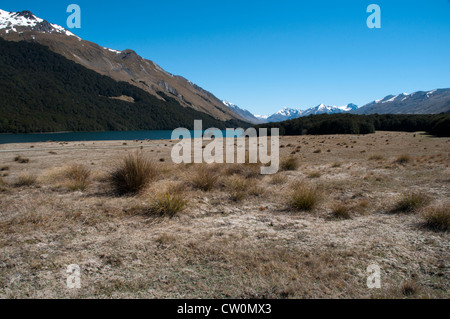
{"x":421,"y":102}
{"x":431,"y":102}
{"x":290,"y":113}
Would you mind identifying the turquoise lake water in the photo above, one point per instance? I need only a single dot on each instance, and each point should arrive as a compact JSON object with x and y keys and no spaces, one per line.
{"x":85,"y":136}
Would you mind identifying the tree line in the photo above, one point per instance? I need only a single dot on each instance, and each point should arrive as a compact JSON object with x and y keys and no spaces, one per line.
{"x":435,"y":124}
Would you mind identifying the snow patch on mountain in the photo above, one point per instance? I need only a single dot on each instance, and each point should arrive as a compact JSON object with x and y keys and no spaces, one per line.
{"x":14,"y":21}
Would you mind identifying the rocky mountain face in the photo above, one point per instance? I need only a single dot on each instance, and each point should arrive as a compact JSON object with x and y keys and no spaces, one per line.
{"x":124,"y":65}
{"x":431,"y":102}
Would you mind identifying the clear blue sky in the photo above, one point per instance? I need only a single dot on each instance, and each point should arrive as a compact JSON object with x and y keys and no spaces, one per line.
{"x":265,"y":55}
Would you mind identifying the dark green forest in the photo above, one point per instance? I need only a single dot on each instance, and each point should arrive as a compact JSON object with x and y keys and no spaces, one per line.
{"x":438,"y":125}
{"x":41,"y":91}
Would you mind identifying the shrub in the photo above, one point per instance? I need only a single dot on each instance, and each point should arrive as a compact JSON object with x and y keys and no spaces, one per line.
{"x":4,"y":168}
{"x":26,"y":180}
{"x":168,"y":204}
{"x":78,"y":176}
{"x":438,"y":218}
{"x":317,"y":151}
{"x":336,"y":165}
{"x":132,"y":174}
{"x":304,"y":198}
{"x":289,"y":164}
{"x":409,"y":203}
{"x":205,"y":178}
{"x":341,"y":211}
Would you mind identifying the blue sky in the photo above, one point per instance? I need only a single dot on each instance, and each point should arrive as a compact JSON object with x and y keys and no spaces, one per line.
{"x":265,"y":55}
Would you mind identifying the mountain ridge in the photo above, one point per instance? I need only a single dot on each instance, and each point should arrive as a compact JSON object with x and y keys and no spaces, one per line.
{"x":42,"y":91}
{"x":124,"y":65}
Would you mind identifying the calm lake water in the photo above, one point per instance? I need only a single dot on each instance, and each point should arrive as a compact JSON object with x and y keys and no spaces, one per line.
{"x":85,"y":136}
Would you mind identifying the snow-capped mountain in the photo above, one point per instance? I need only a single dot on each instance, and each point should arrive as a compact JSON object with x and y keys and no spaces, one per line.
{"x":124,"y":65}
{"x":422,"y":102}
{"x":289,"y":113}
{"x":27,"y":21}
{"x":326,"y":109}
{"x":245,"y":114}
{"x":285,"y":114}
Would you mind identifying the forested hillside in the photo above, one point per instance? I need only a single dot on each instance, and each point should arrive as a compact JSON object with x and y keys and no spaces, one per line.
{"x":41,"y":91}
{"x":438,"y":124}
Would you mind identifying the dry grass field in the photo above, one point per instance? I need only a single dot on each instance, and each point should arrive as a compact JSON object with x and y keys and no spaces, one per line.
{"x":340,"y":204}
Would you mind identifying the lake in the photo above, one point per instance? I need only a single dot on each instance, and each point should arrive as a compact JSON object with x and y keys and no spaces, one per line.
{"x":86,"y":136}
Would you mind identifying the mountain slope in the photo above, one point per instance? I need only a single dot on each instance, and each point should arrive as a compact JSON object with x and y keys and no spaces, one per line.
{"x":431,"y":102}
{"x":124,"y":65}
{"x":41,"y":91}
{"x":245,"y":114}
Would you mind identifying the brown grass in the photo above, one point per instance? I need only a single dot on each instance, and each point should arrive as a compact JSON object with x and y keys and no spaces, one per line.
{"x":168,"y":204}
{"x":245,"y":236}
{"x":341,"y":211}
{"x":289,"y":164}
{"x":314,"y":175}
{"x":376,"y":157}
{"x":403,"y":159}
{"x":26,"y":180}
{"x":205,"y":177}
{"x":21,"y":160}
{"x":410,"y":203}
{"x":238,"y":187}
{"x":438,"y":218}
{"x":278,"y":179}
{"x":133,"y":173}
{"x":409,"y":288}
{"x":78,"y":177}
{"x":303,"y":197}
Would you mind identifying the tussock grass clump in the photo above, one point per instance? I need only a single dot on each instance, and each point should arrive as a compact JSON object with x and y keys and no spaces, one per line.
{"x":410,"y":203}
{"x":409,"y":288}
{"x":304,"y":198}
{"x":341,"y":211}
{"x":336,"y":165}
{"x":238,"y":187}
{"x":168,"y":204}
{"x":376,"y":157}
{"x":247,"y":170}
{"x":21,"y":160}
{"x":132,"y":174}
{"x":438,"y":218}
{"x":278,"y":179}
{"x":403,"y":159}
{"x":26,"y":180}
{"x":289,"y":164}
{"x":78,"y":177}
{"x":205,"y":178}
{"x":314,"y":175}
